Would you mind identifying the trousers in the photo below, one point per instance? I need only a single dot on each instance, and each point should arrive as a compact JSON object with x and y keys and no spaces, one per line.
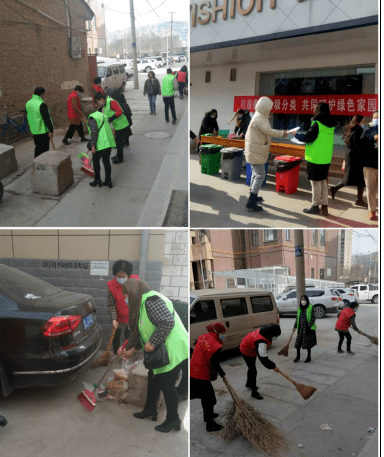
{"x":371,"y":176}
{"x":73,"y":128}
{"x":104,"y":155}
{"x":169,"y":103}
{"x":41,"y":143}
{"x":348,"y":337}
{"x":319,"y":193}
{"x":152,"y":102}
{"x":252,"y":371}
{"x":258,"y":176}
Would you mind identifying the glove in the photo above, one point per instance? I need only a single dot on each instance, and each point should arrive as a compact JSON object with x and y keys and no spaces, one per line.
{"x":222,"y":375}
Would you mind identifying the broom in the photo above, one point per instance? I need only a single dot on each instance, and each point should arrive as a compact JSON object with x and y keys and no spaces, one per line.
{"x":284,"y":351}
{"x":86,"y":397}
{"x":105,"y":358}
{"x":373,"y":339}
{"x":86,"y":167}
{"x":305,"y":391}
{"x":242,"y":419}
{"x":53,"y":144}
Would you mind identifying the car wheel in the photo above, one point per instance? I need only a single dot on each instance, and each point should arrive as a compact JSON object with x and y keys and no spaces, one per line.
{"x":147,"y":69}
{"x":122,"y":88}
{"x":375,"y":298}
{"x":319,"y":311}
{"x":346,"y":302}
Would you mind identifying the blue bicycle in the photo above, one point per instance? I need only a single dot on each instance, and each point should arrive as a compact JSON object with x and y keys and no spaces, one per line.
{"x":12,"y":126}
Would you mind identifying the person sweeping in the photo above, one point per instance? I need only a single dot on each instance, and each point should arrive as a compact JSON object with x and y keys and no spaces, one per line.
{"x":204,"y":367}
{"x":254,"y":345}
{"x":306,"y":328}
{"x":347,"y":319}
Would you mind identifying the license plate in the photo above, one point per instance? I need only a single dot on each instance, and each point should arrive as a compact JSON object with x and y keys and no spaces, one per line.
{"x":88,"y":321}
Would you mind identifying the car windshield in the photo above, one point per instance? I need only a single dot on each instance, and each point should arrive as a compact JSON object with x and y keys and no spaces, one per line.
{"x":101,"y":72}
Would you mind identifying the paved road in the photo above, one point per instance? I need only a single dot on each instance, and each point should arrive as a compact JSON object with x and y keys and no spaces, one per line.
{"x":346,"y":396}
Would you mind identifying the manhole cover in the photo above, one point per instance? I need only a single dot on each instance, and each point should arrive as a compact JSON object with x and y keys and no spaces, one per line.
{"x":157,"y":135}
{"x":177,"y":214}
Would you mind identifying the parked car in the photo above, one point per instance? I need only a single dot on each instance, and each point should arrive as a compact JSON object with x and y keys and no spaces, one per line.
{"x":240,"y":310}
{"x":347,"y":295}
{"x":112,"y":75}
{"x":143,"y":65}
{"x":160,"y":61}
{"x":47,"y":336}
{"x":324,"y":301}
{"x":128,"y":67}
{"x":366,"y":292}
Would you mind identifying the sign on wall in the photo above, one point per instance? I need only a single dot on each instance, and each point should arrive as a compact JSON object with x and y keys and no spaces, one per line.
{"x":340,"y":105}
{"x":99,"y":268}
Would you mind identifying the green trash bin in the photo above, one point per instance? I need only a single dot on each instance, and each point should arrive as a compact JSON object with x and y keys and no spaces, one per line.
{"x":210,"y":158}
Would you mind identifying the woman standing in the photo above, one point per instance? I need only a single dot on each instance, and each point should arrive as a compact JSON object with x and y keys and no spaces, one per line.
{"x":318,"y":154}
{"x":182,"y":79}
{"x":257,"y":145}
{"x":152,"y":89}
{"x":306,"y":328}
{"x":209,"y":123}
{"x":154,"y":321}
{"x":119,"y":97}
{"x":75,"y":116}
{"x":353,"y":175}
{"x":254,"y":345}
{"x":243,"y":119}
{"x":346,"y":320}
{"x":204,"y":368}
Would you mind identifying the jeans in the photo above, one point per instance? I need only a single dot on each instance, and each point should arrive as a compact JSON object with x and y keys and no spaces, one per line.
{"x":104,"y":155}
{"x":319,"y":193}
{"x":72,"y":129}
{"x":41,"y":143}
{"x":252,"y":371}
{"x":169,"y":102}
{"x":348,"y":337}
{"x":258,"y":175}
{"x":152,"y":102}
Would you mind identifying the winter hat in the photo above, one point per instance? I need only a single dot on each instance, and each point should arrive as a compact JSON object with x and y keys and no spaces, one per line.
{"x":217,"y":327}
{"x":270,"y":331}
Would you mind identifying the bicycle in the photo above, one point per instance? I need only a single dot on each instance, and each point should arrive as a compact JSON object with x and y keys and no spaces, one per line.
{"x":12,"y":125}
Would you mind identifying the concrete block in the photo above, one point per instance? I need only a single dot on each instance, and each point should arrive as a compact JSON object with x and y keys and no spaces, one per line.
{"x":52,"y":173}
{"x":178,"y":249}
{"x":165,"y":281}
{"x":170,"y":292}
{"x":179,"y":281}
{"x":172,"y":271}
{"x":183,"y":292}
{"x":168,"y":259}
{"x":8,"y":162}
{"x":185,"y":271}
{"x":182,"y":237}
{"x":137,"y":387}
{"x":180,"y":260}
{"x":170,"y":237}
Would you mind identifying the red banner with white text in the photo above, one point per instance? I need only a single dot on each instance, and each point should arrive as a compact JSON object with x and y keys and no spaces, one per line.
{"x":340,"y":105}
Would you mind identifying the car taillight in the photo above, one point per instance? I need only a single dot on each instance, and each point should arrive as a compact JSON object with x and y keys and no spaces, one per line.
{"x":340,"y":299}
{"x":60,"y":325}
{"x":334,"y":298}
{"x":278,"y":317}
{"x":351,"y":295}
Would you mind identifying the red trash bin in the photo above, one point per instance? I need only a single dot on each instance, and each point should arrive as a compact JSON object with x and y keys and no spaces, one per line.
{"x":287,"y":180}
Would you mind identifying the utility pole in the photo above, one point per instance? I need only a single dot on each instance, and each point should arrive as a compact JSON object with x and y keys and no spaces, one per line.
{"x":298,"y":238}
{"x":134,"y":54}
{"x":171,"y":38}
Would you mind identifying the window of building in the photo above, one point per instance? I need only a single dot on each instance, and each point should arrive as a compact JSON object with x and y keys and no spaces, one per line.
{"x":255,"y":237}
{"x":231,"y":283}
{"x":89,"y":51}
{"x":312,"y":273}
{"x":233,"y":74}
{"x":270,"y":235}
{"x":202,"y":311}
{"x":322,"y":272}
{"x":322,"y":237}
{"x":94,"y":23}
{"x":314,"y":236}
{"x":261,"y":304}
{"x":287,"y":234}
{"x":234,"y":307}
{"x":207,"y":76}
{"x":194,"y":240}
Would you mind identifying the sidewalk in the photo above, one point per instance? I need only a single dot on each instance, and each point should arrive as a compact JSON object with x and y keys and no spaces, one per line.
{"x":221,"y":203}
{"x":133,"y":180}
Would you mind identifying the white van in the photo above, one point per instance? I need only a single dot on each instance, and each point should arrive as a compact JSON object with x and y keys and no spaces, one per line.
{"x":112,"y":75}
{"x":241,"y":310}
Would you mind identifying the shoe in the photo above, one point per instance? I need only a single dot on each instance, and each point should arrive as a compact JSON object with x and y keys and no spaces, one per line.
{"x":66,"y":142}
{"x":372,"y":216}
{"x":114,"y":157}
{"x":213,"y":426}
{"x":3,"y":421}
{"x":96,"y":182}
{"x":339,"y":351}
{"x":350,"y":353}
{"x":84,"y":139}
{"x":181,"y":97}
{"x":333,"y":192}
{"x":361,"y":203}
{"x":257,"y":395}
{"x":312,"y":210}
{"x":259,"y":199}
{"x":307,"y":360}
{"x":215,"y":415}
{"x":143,"y":414}
{"x":297,"y":360}
{"x":248,"y":386}
{"x":167,"y":121}
{"x":174,"y":121}
{"x":324,"y":210}
{"x":150,"y":113}
{"x":118,"y":160}
{"x":252,"y":203}
{"x":108,"y":183}
{"x":167,"y":426}
{"x":182,"y":397}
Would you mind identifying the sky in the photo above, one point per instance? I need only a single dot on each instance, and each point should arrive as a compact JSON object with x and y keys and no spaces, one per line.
{"x":362,"y":241}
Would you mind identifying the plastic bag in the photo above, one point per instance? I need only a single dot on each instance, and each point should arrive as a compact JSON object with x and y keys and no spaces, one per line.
{"x":127,"y":366}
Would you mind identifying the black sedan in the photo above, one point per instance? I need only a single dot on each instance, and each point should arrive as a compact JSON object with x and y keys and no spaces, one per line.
{"x":47,"y":335}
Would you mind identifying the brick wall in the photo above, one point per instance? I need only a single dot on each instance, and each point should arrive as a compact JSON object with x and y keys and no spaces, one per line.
{"x":175,"y":280}
{"x":36,"y":54}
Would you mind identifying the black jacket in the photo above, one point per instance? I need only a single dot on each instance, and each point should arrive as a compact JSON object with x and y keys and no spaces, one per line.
{"x":209,"y":125}
{"x":369,"y":146}
{"x":313,"y":131}
{"x":244,"y":124}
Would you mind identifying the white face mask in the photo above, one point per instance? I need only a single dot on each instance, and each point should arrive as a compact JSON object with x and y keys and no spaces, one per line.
{"x":222,"y":337}
{"x":240,"y":117}
{"x":375,"y":122}
{"x":121,"y":280}
{"x":303,"y":303}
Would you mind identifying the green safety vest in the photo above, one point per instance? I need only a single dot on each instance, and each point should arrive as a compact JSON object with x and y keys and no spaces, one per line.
{"x":35,"y":119}
{"x":320,"y":151}
{"x":105,"y":139}
{"x":167,"y":89}
{"x":176,"y":342}
{"x":120,"y":122}
{"x":309,"y":315}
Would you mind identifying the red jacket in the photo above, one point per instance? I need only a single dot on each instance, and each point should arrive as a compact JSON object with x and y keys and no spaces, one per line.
{"x":181,"y":76}
{"x":97,"y":89}
{"x":343,"y":322}
{"x":71,"y":111}
{"x":205,"y":348}
{"x":247,"y":345}
{"x":122,"y":310}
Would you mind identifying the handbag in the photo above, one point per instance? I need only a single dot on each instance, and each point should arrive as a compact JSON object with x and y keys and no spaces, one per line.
{"x":158,"y":358}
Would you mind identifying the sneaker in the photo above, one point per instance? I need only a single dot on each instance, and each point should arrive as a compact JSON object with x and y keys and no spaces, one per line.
{"x":174,"y":121}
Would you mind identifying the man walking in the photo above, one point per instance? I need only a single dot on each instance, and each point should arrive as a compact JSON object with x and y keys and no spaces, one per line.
{"x":168,"y":88}
{"x":39,"y":121}
{"x":75,"y":116}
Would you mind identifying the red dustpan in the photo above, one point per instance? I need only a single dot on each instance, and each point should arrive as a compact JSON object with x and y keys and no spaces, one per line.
{"x":87,"y":165}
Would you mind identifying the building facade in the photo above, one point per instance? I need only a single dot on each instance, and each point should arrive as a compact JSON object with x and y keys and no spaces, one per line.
{"x":96,"y":36}
{"x":345,"y":253}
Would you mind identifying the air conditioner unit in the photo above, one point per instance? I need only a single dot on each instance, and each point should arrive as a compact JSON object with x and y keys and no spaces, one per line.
{"x":75,"y":47}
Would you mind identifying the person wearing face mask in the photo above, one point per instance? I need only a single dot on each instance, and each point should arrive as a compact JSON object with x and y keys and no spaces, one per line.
{"x":152,"y":89}
{"x":369,"y":144}
{"x":243,"y":119}
{"x":306,"y":328}
{"x":39,"y":120}
{"x":353,"y":174}
{"x":118,"y":308}
{"x":204,"y":367}
{"x":346,"y":320}
{"x":209,"y":123}
{"x":75,"y":116}
{"x":254,"y":345}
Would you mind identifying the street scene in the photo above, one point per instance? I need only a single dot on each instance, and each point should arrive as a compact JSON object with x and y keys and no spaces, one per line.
{"x":143,"y":176}
{"x":284,"y":108}
{"x":63,"y":322}
{"x":248,"y":291}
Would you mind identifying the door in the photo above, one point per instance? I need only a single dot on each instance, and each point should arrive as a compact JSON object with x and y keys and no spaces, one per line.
{"x":363,"y":292}
{"x":115,"y":77}
{"x":202,"y":313}
{"x":263,"y":311}
{"x":290,"y":304}
{"x":236,"y":315}
{"x":108,"y":77}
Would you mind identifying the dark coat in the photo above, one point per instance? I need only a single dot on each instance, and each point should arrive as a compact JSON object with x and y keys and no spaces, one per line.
{"x":121,"y":100}
{"x":306,"y":338}
{"x":208,"y":124}
{"x":152,"y":87}
{"x":244,"y":124}
{"x":368,"y":144}
{"x":354,"y":175}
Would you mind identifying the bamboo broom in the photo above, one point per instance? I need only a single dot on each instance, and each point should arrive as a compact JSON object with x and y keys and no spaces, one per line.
{"x":285,"y":349}
{"x":242,"y":419}
{"x":305,"y":391}
{"x":106,"y":355}
{"x":373,"y":339}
